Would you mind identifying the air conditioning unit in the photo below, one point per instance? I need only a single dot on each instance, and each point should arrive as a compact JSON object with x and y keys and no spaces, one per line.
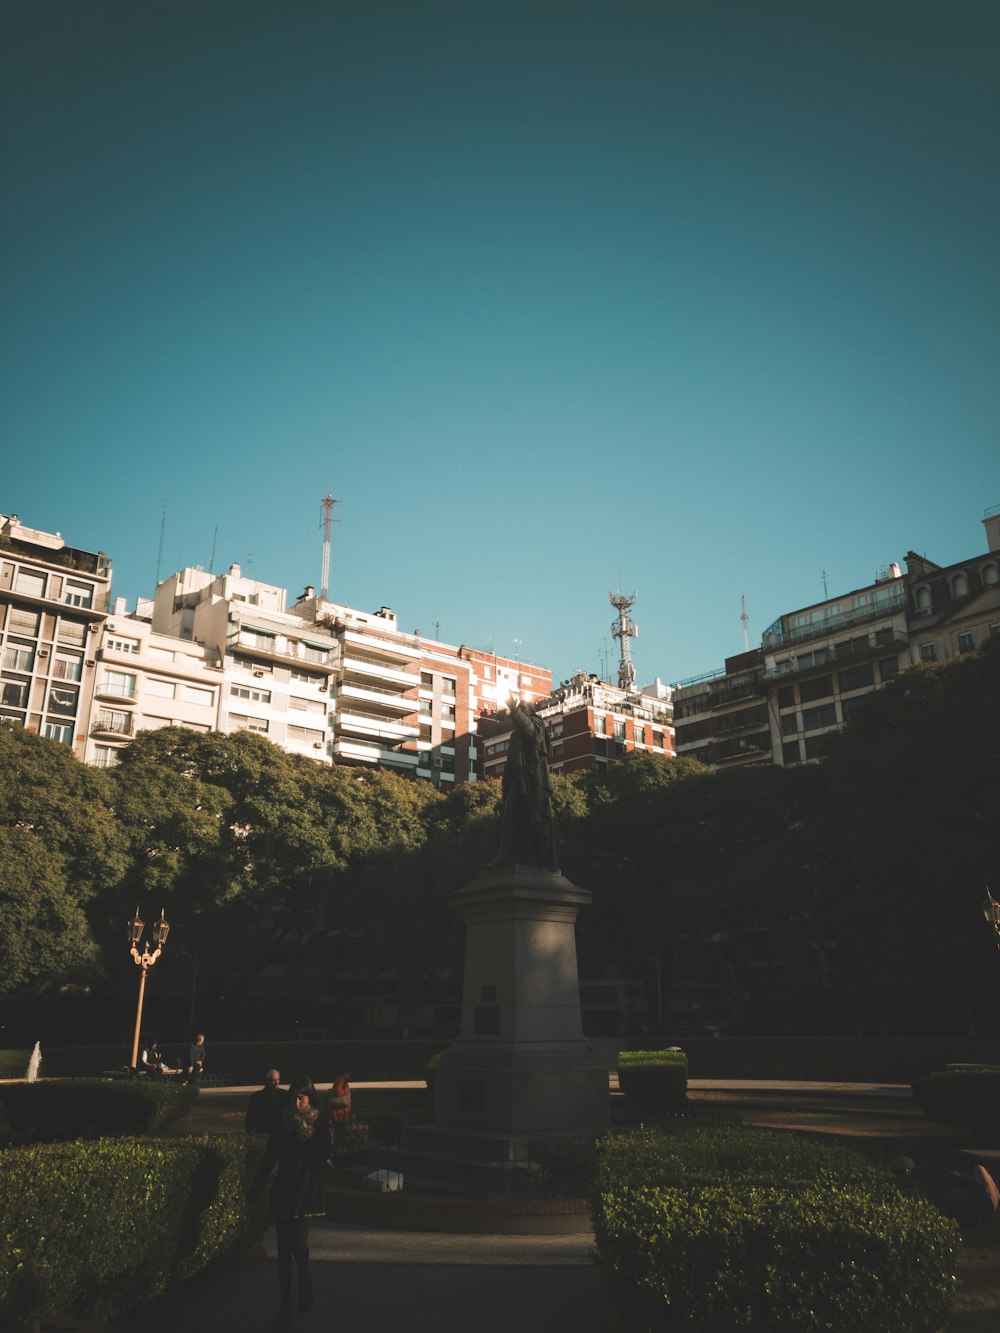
{"x":43,"y":652}
{"x":323,"y":689}
{"x":259,"y":675}
{"x":317,"y":745}
{"x":90,"y":662}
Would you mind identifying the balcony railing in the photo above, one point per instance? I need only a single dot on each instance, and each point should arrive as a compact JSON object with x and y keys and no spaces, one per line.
{"x":821,"y":629}
{"x":113,"y":724}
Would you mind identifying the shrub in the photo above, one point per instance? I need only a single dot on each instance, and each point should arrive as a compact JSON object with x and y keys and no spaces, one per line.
{"x":734,"y":1229}
{"x":73,"y":1108}
{"x":969,"y":1097}
{"x":14,"y":1064}
{"x":69,"y":1213}
{"x":653,"y":1078}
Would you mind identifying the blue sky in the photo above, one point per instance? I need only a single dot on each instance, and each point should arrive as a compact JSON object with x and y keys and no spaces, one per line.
{"x":693,"y":298}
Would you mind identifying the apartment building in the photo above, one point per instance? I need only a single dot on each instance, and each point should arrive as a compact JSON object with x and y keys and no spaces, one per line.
{"x":722,"y":718}
{"x":951,"y":609}
{"x":590,"y":725}
{"x":53,"y":601}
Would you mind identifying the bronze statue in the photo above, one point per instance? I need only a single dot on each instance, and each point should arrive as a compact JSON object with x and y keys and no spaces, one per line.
{"x":526,"y":833}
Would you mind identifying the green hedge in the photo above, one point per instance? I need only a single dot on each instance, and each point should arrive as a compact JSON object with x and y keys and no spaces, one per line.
{"x":969,"y":1097}
{"x":731,"y":1229}
{"x":653,"y":1078}
{"x":92,"y":1229}
{"x":14,"y":1064}
{"x":73,"y":1108}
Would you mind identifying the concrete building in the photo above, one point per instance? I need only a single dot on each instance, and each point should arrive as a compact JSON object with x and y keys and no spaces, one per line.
{"x":951,"y":609}
{"x":722,"y":719}
{"x":53,"y":601}
{"x":590,"y":725}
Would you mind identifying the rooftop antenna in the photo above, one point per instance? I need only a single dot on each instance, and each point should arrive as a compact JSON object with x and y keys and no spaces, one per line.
{"x":328,"y":516}
{"x":249,"y":564}
{"x":215,"y":538}
{"x":159,"y":553}
{"x":826,"y":591}
{"x":624,"y":628}
{"x":746,"y":622}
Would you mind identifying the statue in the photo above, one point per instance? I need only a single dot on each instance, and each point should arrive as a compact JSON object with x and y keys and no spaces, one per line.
{"x":526,"y":833}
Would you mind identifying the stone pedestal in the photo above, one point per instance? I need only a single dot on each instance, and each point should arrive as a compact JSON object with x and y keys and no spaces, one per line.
{"x":521,"y":1068}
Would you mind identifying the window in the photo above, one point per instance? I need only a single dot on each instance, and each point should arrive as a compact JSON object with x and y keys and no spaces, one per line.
{"x":163,"y":689}
{"x":600,"y":726}
{"x":959,"y":585}
{"x":62,"y":701}
{"x":928,"y":653}
{"x":426,"y":707}
{"x":106,"y":756}
{"x":966,"y":642}
{"x":848,"y":707}
{"x":857,"y":678}
{"x":990,"y":574}
{"x":30,"y":583}
{"x":448,"y":685}
{"x":619,"y":731}
{"x":78,"y":594}
{"x":72,"y":631}
{"x":67,"y":666}
{"x":313,"y":654}
{"x":18,"y":656}
{"x":119,"y":645}
{"x":791,"y":753}
{"x":888,"y":668}
{"x":59,"y":731}
{"x":786,"y":696}
{"x":816,"y":747}
{"x":257,"y":638}
{"x":789,"y":724}
{"x":306,"y":735}
{"x":306,"y":705}
{"x":426,"y":680}
{"x":120,"y":683}
{"x":22,"y":622}
{"x":639,"y":733}
{"x":922,"y":599}
{"x":257,"y":696}
{"x":194,"y":694}
{"x":820,"y":688}
{"x":244,"y":723}
{"x":258,"y":668}
{"x":448,"y":713}
{"x":14,"y":693}
{"x":824,"y":716}
{"x":306,"y":677}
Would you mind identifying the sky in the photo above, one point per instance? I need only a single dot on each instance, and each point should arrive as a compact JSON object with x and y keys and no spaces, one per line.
{"x":696,"y":298}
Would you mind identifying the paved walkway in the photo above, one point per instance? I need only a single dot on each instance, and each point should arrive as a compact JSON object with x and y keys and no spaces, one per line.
{"x":402,"y":1282}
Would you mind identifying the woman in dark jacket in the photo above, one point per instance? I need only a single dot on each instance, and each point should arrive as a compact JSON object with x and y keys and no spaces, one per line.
{"x":299,"y":1145}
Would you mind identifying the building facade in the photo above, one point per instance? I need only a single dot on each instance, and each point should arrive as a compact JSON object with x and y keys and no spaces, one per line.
{"x":951,"y":609}
{"x":722,"y":719}
{"x":54,"y":599}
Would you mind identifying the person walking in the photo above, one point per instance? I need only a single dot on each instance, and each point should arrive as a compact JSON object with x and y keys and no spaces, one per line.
{"x":299,"y":1145}
{"x":265,"y":1106}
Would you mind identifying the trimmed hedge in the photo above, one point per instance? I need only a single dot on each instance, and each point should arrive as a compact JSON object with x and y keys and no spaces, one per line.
{"x":653,"y":1078}
{"x":969,"y":1097}
{"x":92,"y":1229}
{"x":51,"y":1110}
{"x":734,"y":1229}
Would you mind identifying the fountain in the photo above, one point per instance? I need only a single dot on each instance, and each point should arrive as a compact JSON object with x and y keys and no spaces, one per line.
{"x":35,"y":1063}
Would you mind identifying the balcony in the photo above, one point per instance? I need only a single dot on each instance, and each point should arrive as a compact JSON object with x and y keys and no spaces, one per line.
{"x":376,"y":728}
{"x":355,"y":752}
{"x":822,"y":659}
{"x":364,"y":671}
{"x":117,"y":687}
{"x":278,"y":648}
{"x":113,"y":724}
{"x":747,"y":720}
{"x":749,"y":689}
{"x":392,"y":650}
{"x":747,"y":749}
{"x":777,"y":638}
{"x":376,"y":699}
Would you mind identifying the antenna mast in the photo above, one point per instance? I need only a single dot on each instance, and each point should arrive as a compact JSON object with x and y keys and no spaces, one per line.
{"x":327,"y":517}
{"x":624,"y":628}
{"x":746,"y":622}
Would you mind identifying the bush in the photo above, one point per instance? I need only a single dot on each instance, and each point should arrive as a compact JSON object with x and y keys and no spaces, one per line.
{"x":70,"y":1215}
{"x":653,"y":1078}
{"x":969,"y":1097}
{"x":734,"y":1229}
{"x":90,"y":1108}
{"x":14,"y":1064}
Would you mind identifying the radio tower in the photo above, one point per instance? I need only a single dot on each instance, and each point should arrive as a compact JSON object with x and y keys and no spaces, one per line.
{"x":624,"y":628}
{"x":327,"y":517}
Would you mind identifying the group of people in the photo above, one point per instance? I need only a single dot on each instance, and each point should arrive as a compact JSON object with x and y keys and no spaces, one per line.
{"x":153,"y":1064}
{"x":302,"y":1127}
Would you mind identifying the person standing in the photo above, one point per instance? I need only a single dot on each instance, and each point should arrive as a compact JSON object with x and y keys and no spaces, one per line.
{"x":339,"y":1108}
{"x":195,"y":1066}
{"x":299,"y":1146}
{"x":265,"y":1106}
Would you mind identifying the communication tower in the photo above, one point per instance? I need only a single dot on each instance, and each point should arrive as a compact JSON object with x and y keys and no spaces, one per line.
{"x":624,"y":628}
{"x":327,"y":518}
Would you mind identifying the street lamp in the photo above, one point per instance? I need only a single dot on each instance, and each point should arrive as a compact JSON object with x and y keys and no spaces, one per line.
{"x":145,"y":960}
{"x":991,"y":911}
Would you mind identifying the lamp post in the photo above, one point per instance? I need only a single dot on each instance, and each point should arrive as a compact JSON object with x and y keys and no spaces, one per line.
{"x":991,"y":911}
{"x":145,"y":960}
